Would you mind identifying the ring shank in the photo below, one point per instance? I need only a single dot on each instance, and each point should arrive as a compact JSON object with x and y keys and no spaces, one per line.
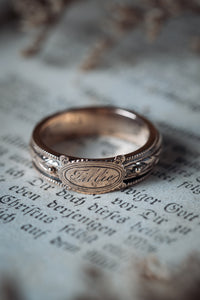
{"x":96,"y":121}
{"x":92,"y":122}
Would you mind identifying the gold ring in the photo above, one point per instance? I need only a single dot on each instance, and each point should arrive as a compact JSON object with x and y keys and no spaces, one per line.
{"x":95,"y":175}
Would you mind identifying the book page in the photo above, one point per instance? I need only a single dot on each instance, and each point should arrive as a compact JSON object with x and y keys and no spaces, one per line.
{"x":48,"y":235}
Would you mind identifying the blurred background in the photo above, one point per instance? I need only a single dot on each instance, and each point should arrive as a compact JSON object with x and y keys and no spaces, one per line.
{"x":138,"y":54}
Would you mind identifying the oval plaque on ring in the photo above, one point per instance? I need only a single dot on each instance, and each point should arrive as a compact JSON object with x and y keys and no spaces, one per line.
{"x":92,"y":177}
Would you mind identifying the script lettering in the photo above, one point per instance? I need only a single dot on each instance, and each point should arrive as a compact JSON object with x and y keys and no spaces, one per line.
{"x":92,"y":176}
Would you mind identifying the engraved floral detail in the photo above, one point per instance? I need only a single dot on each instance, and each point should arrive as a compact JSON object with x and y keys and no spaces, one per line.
{"x":44,"y":161}
{"x":142,"y":166}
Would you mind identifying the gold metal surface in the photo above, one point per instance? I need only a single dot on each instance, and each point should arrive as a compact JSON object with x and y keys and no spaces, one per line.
{"x":92,"y":176}
{"x":95,"y":175}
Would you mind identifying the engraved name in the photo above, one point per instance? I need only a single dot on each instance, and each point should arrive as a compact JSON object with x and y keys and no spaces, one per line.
{"x":92,"y":176}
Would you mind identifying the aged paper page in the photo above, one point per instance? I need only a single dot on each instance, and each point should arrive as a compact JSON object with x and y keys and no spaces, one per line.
{"x":47,"y":234}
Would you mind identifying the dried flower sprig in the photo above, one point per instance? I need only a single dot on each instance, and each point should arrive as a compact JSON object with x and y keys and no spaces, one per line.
{"x":150,"y":14}
{"x":40,"y":14}
{"x":147,"y":280}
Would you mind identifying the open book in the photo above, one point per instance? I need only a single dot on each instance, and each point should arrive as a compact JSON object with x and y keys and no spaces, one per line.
{"x":44,"y":245}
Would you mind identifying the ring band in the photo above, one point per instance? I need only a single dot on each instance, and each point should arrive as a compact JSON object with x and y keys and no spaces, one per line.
{"x":95,"y":175}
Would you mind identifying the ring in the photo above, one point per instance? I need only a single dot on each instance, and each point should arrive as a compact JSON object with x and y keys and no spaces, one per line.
{"x":95,"y":175}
